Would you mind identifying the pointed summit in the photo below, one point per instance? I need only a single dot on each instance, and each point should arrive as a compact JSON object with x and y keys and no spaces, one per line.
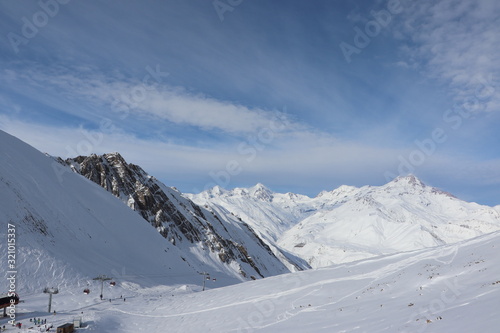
{"x":259,"y":191}
{"x":112,"y":155}
{"x":412,"y":184}
{"x":408,"y":180}
{"x":259,"y":186}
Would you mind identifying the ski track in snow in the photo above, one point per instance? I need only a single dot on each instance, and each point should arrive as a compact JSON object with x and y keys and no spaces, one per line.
{"x":374,"y":276}
{"x":289,"y":306}
{"x":347,"y":287}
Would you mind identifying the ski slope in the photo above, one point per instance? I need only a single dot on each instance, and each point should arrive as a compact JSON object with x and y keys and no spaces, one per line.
{"x":69,"y":230}
{"x":451,"y":288}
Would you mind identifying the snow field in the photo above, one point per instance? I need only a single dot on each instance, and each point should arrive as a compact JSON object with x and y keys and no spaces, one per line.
{"x":453,"y":288}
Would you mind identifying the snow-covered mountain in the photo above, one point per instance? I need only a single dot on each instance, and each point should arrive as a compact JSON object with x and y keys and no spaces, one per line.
{"x":269,"y":213}
{"x":351,"y":223}
{"x":214,"y":237}
{"x":67,"y":230}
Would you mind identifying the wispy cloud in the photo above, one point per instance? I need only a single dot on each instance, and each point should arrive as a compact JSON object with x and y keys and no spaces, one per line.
{"x":126,"y":97}
{"x":457,"y":42}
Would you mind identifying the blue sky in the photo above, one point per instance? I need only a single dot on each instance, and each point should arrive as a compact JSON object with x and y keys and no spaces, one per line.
{"x":302,"y":96}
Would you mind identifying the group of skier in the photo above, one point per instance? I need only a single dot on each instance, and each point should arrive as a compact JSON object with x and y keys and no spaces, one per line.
{"x":38,"y":321}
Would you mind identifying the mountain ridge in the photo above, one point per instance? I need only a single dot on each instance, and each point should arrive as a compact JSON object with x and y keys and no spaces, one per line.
{"x":212,"y":234}
{"x":351,"y":223}
{"x":69,"y":230}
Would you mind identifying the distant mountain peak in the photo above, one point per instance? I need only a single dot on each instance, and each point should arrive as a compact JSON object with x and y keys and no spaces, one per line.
{"x":261,"y":192}
{"x":115,"y":153}
{"x":259,"y":187}
{"x":341,"y":191}
{"x":217,"y":190}
{"x":114,"y":158}
{"x":409,"y":179}
{"x":408,"y":183}
{"x":344,"y":189}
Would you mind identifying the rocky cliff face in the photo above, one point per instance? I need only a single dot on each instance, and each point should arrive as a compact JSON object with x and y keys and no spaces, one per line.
{"x":217,"y":240}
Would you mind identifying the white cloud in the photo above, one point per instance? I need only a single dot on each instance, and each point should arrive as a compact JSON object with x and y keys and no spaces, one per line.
{"x":125,"y":97}
{"x":204,"y":112}
{"x":458,"y":42}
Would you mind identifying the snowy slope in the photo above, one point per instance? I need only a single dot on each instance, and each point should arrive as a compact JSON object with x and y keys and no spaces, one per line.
{"x":269,"y":214}
{"x":451,"y":288}
{"x":352,"y":223}
{"x":69,"y":230}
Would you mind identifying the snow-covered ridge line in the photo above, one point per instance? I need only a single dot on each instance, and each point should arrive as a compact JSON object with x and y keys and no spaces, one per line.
{"x":350,"y":223}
